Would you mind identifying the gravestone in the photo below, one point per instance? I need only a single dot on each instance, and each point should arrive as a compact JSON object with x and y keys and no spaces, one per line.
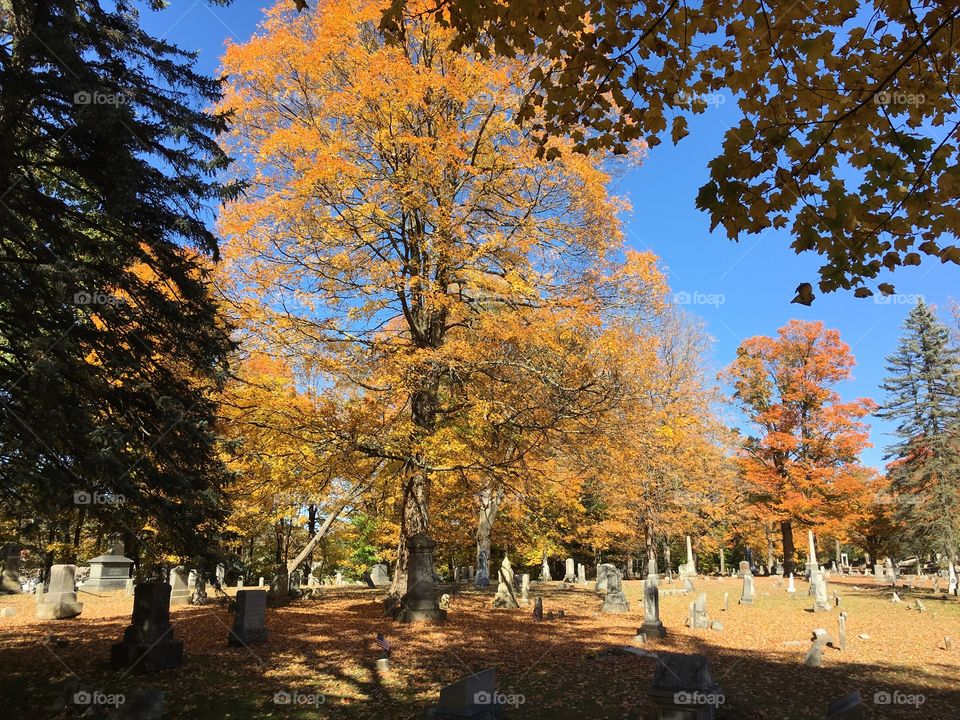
{"x":221,"y":574}
{"x":581,"y":574}
{"x":570,"y":573}
{"x":192,"y":581}
{"x":545,"y":568}
{"x":148,"y":643}
{"x":505,"y":597}
{"x":420,"y":601}
{"x":689,"y":568}
{"x":239,"y":582}
{"x":60,"y":602}
{"x":525,"y":589}
{"x":109,"y":571}
{"x":473,"y":696}
{"x":746,"y":593}
{"x":821,"y":602}
{"x":952,"y":587}
{"x":10,"y":580}
{"x":811,"y":555}
{"x":846,"y":708}
{"x":179,"y":589}
{"x":456,"y":575}
{"x":877,"y":572}
{"x":698,"y":613}
{"x":603,"y":571}
{"x":814,"y":656}
{"x":260,"y":582}
{"x":791,"y":588}
{"x":538,"y":609}
{"x":128,"y":589}
{"x":688,"y":585}
{"x":726,"y":601}
{"x":483,"y":571}
{"x":842,"y":632}
{"x":250,"y":619}
{"x":339,"y":578}
{"x":615,"y":601}
{"x":652,"y":626}
{"x":683,"y":688}
{"x":380,"y":575}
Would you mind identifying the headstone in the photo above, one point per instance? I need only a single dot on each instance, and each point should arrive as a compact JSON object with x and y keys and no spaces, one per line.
{"x":260,"y":582}
{"x":525,"y":589}
{"x":842,"y":633}
{"x":339,"y":578}
{"x":947,"y":643}
{"x":10,"y":580}
{"x":791,"y":588}
{"x":746,"y":594}
{"x":570,"y":572}
{"x":192,"y":580}
{"x":615,"y":601}
{"x":38,"y":593}
{"x":844,"y":561}
{"x":505,"y":597}
{"x":716,"y":625}
{"x":60,"y":602}
{"x":895,"y":598}
{"x":239,"y":582}
{"x":581,"y":574}
{"x":109,"y":571}
{"x":846,"y":708}
{"x":683,"y":688}
{"x":148,"y":643}
{"x":380,"y":575}
{"x":688,"y":585}
{"x":221,"y":574}
{"x":698,"y":613}
{"x":726,"y":601}
{"x":877,"y":572}
{"x":420,"y":601}
{"x":483,"y":571}
{"x":471,"y":697}
{"x":919,"y":606}
{"x":603,"y":572}
{"x":538,"y":609}
{"x":250,"y":619}
{"x":952,"y":587}
{"x":8,"y":612}
{"x":456,"y":575}
{"x":179,"y":594}
{"x":128,"y":590}
{"x":545,"y":568}
{"x":689,"y":568}
{"x":821,"y":602}
{"x":815,"y":655}
{"x":652,"y":626}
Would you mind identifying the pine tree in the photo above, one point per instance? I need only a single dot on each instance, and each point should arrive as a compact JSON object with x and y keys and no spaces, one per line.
{"x":923,"y":398}
{"x":110,"y":342}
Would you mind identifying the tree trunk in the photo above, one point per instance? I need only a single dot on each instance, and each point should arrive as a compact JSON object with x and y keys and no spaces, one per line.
{"x":489,"y":505}
{"x":786,"y":530}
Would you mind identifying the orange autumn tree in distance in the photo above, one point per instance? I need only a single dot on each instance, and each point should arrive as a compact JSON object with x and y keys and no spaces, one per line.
{"x":801,"y":465}
{"x":403,"y":242}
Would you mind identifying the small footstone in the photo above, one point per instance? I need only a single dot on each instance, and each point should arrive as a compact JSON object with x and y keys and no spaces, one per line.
{"x":814,"y":656}
{"x":863,"y":636}
{"x":716,"y":625}
{"x":794,"y":643}
{"x":8,"y":612}
{"x":383,"y":664}
{"x":947,"y":643}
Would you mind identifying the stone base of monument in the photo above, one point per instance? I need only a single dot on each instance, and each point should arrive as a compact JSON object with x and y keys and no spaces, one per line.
{"x":615,"y":603}
{"x":421,"y":614}
{"x":473,"y":697}
{"x":239,"y":638}
{"x":652,"y":630}
{"x":147,"y":658}
{"x":683,"y":688}
{"x":59,"y":610}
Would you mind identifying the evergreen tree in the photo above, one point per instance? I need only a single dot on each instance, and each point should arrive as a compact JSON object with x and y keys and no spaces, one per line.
{"x":923,"y":398}
{"x":110,"y":343}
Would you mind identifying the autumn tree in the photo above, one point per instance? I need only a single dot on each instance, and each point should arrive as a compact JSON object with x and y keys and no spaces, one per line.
{"x":802,"y":462}
{"x":923,"y":398}
{"x":110,"y":344}
{"x":849,"y":118}
{"x":401,"y":238}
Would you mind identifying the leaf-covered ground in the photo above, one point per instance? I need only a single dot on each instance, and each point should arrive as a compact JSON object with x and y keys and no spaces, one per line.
{"x":324,"y":650}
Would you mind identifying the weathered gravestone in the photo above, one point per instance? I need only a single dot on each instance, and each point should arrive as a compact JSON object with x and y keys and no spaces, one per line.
{"x":10,"y":580}
{"x":615,"y":601}
{"x":814,"y":656}
{"x":482,"y":579}
{"x":570,"y":572}
{"x":746,"y":593}
{"x":148,"y":643}
{"x":525,"y":589}
{"x":698,"y":613}
{"x":505,"y":597}
{"x":109,"y":571}
{"x":603,"y":571}
{"x":581,"y":574}
{"x":652,"y":626}
{"x":821,"y":603}
{"x":791,"y":588}
{"x":179,"y":588}
{"x":250,"y":619}
{"x":472,"y":697}
{"x":538,"y":609}
{"x":689,"y":568}
{"x":420,"y":601}
{"x":380,"y":575}
{"x":60,"y":602}
{"x":683,"y":688}
{"x":846,"y":708}
{"x":842,"y":631}
{"x":545,"y":568}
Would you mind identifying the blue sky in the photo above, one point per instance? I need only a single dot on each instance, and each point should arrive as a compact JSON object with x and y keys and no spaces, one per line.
{"x":739,"y":289}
